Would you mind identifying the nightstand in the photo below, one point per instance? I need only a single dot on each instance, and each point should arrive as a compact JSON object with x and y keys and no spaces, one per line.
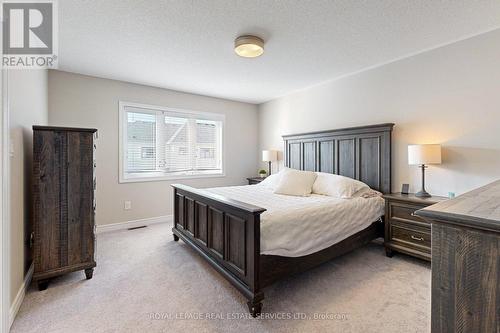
{"x":255,"y":180}
{"x":404,"y":231}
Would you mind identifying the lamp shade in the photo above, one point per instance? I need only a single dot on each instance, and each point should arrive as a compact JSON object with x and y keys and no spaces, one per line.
{"x":269,"y":155}
{"x":424,"y":154}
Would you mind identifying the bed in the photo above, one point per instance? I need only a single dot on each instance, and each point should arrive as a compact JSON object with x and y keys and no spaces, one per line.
{"x":296,"y":226}
{"x":253,"y":248}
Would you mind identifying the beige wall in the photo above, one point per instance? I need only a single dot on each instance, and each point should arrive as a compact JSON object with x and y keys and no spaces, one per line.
{"x":450,"y":95}
{"x":28,"y":107}
{"x":84,"y":101}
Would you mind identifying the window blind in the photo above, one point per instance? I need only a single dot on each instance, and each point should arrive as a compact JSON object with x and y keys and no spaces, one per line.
{"x":141,"y":142}
{"x":171,"y":142}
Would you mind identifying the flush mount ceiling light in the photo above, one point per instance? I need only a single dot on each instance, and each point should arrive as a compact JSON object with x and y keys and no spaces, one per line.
{"x":249,"y":46}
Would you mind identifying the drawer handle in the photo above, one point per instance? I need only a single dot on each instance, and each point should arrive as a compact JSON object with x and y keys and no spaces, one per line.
{"x":417,"y":238}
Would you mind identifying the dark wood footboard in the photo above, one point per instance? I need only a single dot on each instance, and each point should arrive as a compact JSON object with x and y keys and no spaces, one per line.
{"x":226,"y":233}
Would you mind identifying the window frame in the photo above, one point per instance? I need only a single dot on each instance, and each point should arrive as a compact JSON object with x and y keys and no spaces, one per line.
{"x":159,"y":175}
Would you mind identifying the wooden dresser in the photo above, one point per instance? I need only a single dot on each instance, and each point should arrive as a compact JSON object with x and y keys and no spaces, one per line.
{"x":466,"y":261}
{"x":404,"y":231}
{"x":63,"y":202}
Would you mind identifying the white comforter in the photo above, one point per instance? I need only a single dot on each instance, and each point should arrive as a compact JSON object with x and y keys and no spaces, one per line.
{"x":297,"y":226}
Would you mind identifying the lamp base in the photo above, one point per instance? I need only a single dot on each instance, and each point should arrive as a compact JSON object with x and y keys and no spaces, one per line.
{"x":423,"y":194}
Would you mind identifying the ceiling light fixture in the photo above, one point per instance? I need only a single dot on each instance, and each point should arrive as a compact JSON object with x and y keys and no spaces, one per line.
{"x":249,"y":46}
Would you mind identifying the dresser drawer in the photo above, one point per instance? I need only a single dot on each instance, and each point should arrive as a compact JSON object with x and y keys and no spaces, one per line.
{"x":405,"y":211}
{"x":411,"y":235}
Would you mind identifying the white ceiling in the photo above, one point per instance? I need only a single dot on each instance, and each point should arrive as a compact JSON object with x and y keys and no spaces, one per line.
{"x":187,"y":45}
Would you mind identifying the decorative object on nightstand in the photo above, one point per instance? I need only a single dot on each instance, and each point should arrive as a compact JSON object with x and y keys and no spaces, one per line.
{"x":269,"y":156}
{"x":422,"y":155}
{"x":255,"y":180}
{"x":404,"y":231}
{"x":262,"y":173}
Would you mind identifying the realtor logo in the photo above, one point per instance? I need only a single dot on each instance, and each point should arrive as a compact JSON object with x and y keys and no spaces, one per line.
{"x":29,"y":32}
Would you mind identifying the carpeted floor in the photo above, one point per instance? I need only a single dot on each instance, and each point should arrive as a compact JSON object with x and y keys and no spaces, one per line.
{"x":146,"y":282}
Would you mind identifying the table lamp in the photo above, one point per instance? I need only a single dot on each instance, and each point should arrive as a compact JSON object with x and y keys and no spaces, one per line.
{"x":422,"y":155}
{"x":269,"y":156}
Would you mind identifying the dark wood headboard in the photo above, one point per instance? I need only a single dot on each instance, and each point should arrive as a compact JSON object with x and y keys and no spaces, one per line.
{"x":362,"y":153}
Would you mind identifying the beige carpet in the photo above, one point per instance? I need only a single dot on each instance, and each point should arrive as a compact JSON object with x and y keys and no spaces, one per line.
{"x":146,"y":282}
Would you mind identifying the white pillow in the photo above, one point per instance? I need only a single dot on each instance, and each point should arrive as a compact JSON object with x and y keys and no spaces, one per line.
{"x":271,"y":181}
{"x":336,"y":185}
{"x":295,"y":182}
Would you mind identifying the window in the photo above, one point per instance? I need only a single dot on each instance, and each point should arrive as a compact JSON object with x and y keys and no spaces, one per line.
{"x":159,"y":143}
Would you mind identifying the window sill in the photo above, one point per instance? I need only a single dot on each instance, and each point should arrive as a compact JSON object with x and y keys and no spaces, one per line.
{"x":158,"y":176}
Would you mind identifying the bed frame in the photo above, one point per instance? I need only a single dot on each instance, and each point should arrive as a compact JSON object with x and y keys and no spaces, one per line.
{"x":226,"y":233}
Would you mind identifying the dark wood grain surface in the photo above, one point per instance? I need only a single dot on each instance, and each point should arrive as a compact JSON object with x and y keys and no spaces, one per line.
{"x":219,"y":198}
{"x":63,"y":202}
{"x":255,"y":180}
{"x":232,"y":233}
{"x":466,"y":261}
{"x":479,"y":208}
{"x":411,"y":198}
{"x":404,"y":231}
{"x":64,"y":129}
{"x":465,"y":280}
{"x":362,"y":153}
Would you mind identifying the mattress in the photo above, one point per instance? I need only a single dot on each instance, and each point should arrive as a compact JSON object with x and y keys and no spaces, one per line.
{"x":297,"y":226}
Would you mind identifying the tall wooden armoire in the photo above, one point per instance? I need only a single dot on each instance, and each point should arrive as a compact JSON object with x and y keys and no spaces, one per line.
{"x":63,"y":202}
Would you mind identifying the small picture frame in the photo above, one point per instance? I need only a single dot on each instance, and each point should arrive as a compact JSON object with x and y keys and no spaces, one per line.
{"x":405,"y":189}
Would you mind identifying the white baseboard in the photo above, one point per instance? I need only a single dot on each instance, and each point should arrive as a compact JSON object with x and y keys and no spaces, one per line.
{"x":132,"y":224}
{"x":14,"y":307}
